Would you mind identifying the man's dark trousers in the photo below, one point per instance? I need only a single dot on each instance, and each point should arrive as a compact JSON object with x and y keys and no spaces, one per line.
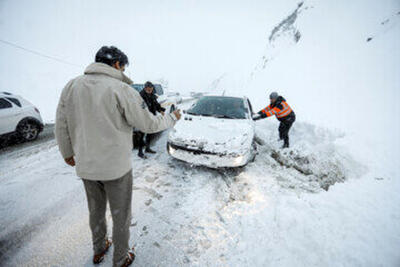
{"x":284,"y":127}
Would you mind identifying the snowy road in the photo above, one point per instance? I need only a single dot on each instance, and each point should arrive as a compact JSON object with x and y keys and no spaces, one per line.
{"x":12,"y":144}
{"x":262,"y":215}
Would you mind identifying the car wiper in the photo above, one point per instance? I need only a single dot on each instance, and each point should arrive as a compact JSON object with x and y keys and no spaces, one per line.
{"x":205,"y":115}
{"x":224,"y":117}
{"x":200,"y":114}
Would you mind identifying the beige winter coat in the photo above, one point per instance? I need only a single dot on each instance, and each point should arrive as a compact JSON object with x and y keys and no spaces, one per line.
{"x":95,"y":117}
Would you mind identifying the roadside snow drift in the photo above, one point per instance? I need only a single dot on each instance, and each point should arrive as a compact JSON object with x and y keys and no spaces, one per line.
{"x":315,"y":160}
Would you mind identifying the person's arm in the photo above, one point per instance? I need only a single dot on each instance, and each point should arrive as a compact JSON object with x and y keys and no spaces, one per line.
{"x":262,"y":113}
{"x":268,"y":111}
{"x":159,"y":108}
{"x":61,"y":130}
{"x":137,"y":114}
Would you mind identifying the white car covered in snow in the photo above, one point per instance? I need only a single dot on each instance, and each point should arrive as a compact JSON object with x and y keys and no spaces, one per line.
{"x":20,"y":117}
{"x":217,"y":132}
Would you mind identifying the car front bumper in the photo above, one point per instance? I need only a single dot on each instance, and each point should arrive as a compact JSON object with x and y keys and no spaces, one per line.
{"x":208,"y":159}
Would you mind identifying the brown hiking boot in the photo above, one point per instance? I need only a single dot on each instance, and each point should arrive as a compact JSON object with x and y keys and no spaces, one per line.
{"x":100,"y":257}
{"x":130,"y":258}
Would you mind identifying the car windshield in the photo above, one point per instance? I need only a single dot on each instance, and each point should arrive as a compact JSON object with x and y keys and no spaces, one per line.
{"x":219,"y":107}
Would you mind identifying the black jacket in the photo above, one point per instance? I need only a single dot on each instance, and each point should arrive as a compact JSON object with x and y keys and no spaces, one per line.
{"x":151,"y":102}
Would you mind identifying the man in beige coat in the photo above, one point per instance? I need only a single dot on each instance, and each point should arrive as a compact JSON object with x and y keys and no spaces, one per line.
{"x":95,"y":117}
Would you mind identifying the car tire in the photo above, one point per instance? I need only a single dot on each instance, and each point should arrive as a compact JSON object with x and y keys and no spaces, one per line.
{"x":28,"y":131}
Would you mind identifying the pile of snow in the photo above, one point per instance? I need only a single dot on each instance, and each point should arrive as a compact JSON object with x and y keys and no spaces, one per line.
{"x":314,"y":161}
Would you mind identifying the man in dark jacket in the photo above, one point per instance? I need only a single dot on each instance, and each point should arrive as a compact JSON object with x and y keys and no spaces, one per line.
{"x":283,"y":113}
{"x":151,"y":101}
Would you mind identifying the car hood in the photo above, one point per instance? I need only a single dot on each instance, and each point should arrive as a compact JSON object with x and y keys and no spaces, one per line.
{"x":209,"y":134}
{"x":161,"y":98}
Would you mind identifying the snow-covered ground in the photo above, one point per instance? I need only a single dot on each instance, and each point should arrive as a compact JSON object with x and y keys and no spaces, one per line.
{"x":265,"y":214}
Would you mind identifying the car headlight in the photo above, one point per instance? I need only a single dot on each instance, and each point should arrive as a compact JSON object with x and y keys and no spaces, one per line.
{"x":171,"y":150}
{"x":238,"y":159}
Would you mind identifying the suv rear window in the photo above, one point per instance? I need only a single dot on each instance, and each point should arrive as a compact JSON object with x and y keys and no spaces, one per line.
{"x":4,"y":104}
{"x":157,"y":88}
{"x":15,"y":101}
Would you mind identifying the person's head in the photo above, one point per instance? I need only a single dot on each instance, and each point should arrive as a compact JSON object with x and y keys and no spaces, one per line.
{"x":273,"y":97}
{"x":149,"y":87}
{"x":113,"y":57}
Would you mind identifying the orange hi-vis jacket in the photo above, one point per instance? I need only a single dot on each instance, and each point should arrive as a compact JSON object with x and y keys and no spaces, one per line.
{"x":280,"y":111}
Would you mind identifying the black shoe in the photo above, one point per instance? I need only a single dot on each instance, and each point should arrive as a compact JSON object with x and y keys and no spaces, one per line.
{"x":141,"y":155}
{"x":99,"y":257}
{"x":149,"y":150}
{"x":285,"y":145}
{"x":130,"y":257}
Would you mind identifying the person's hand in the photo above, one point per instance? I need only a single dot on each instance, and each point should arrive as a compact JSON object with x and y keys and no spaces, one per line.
{"x":70,"y":161}
{"x":162,"y":113}
{"x":177,"y":114}
{"x":256,"y":117}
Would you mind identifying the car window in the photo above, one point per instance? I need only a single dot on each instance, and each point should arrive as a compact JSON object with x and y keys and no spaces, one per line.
{"x":4,"y":104}
{"x":14,"y":100}
{"x":138,"y":87}
{"x":158,"y":89}
{"x":220,"y":107}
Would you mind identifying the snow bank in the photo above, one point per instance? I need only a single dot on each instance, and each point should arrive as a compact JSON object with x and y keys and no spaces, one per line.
{"x":315,"y":160}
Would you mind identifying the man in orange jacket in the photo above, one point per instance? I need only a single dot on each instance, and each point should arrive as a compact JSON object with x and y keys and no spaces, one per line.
{"x":283,"y":113}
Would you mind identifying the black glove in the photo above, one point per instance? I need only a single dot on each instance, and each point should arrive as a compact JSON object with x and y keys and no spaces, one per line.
{"x":260,"y":115}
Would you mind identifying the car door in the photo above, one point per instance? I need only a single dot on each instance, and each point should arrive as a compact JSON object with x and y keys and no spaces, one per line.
{"x":8,"y":116}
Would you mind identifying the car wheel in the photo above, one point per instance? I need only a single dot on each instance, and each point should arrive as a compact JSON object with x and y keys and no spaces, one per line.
{"x":28,"y":131}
